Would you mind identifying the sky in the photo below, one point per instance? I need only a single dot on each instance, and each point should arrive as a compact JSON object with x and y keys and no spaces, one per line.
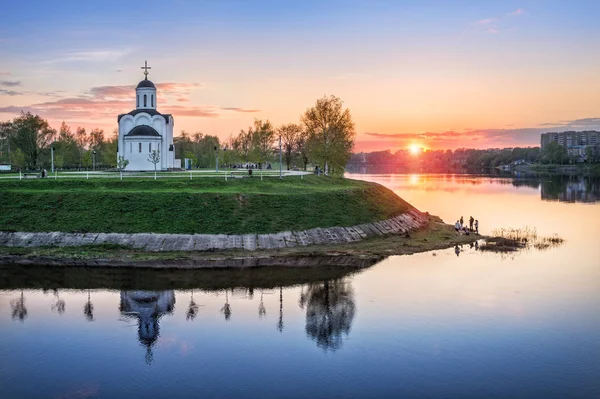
{"x":436,"y":73}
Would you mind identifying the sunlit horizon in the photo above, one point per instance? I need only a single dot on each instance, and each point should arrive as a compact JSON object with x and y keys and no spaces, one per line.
{"x":446,"y":75}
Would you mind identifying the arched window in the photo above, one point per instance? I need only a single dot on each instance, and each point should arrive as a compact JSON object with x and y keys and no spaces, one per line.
{"x":152,"y":100}
{"x":145,"y":101}
{"x":137,"y":104}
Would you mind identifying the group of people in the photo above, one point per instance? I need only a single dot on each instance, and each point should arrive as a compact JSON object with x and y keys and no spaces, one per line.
{"x":473,"y":226}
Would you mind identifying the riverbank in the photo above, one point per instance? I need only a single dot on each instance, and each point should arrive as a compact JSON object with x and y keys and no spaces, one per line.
{"x":433,"y":235}
{"x":207,"y":206}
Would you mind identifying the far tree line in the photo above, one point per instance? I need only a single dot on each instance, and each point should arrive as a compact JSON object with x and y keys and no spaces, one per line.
{"x":443,"y":160}
{"x":324,"y":136}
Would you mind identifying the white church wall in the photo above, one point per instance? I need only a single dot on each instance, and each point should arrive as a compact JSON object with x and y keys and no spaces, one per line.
{"x":142,"y":119}
{"x":137,"y":150}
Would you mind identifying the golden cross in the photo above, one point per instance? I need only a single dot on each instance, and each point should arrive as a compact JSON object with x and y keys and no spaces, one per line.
{"x":145,"y":68}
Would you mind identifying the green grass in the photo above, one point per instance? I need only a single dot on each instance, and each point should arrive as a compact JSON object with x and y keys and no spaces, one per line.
{"x":237,"y":206}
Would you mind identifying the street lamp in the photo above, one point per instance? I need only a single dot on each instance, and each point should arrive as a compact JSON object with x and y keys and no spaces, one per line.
{"x":217,"y":158}
{"x":94,"y":160}
{"x":52,"y":154}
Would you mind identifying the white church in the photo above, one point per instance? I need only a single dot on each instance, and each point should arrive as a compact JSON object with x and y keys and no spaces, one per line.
{"x":144,"y":130}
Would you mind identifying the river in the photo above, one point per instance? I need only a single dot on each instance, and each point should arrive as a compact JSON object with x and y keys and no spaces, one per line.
{"x":437,"y":324}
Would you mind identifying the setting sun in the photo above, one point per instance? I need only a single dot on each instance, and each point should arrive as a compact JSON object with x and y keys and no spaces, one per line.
{"x":414,"y":149}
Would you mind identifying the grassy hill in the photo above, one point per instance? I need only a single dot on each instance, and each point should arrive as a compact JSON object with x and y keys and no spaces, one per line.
{"x":237,"y":206}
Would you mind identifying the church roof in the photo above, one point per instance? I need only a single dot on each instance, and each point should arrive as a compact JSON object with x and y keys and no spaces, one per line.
{"x":149,"y":111}
{"x":143,"y":130}
{"x":146,"y":83}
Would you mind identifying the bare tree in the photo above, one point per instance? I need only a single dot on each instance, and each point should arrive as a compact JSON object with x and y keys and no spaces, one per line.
{"x":122,"y":164}
{"x":155,"y":159}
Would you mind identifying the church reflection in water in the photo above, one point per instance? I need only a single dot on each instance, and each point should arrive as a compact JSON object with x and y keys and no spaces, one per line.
{"x":327,"y":305}
{"x":147,"y":307}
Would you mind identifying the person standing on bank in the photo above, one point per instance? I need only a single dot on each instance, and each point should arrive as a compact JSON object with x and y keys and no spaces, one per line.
{"x":462,"y":222}
{"x":457,"y":227}
{"x":477,"y":227}
{"x":471,"y":220}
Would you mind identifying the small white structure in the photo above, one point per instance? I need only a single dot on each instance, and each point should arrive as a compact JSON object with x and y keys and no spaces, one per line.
{"x":144,"y":130}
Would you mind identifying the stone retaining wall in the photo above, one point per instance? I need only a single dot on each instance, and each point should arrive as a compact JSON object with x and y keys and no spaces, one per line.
{"x":411,"y":220}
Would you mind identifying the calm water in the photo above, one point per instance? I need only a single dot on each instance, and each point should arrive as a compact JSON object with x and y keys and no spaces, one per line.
{"x":477,"y":325}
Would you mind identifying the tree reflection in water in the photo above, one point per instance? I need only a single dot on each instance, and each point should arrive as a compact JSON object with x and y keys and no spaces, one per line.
{"x":88,"y":309}
{"x":59,"y":305}
{"x":226,"y":309}
{"x":18,"y":309}
{"x":330,"y":311}
{"x":280,"y":321}
{"x":192,"y":309}
{"x":262,"y":311}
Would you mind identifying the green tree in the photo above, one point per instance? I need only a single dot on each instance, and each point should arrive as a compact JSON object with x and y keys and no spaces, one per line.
{"x":18,"y":159}
{"x":86,"y":160}
{"x":81,"y":139}
{"x":59,"y":161}
{"x":96,"y":138}
{"x":32,"y":135}
{"x":263,"y":137}
{"x":554,"y":153}
{"x":331,"y":133}
{"x":290,"y":134}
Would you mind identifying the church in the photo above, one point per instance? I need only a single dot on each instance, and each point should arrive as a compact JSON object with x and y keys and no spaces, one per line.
{"x":145,"y":130}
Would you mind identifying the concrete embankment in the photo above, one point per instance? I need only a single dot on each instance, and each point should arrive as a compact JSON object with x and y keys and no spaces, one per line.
{"x":409,"y":221}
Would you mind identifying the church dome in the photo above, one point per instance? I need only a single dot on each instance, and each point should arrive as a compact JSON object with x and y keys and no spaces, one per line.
{"x":143,"y":130}
{"x":145,"y":83}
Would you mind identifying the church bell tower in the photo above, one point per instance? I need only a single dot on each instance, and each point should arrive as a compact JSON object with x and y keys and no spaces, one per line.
{"x":145,"y":92}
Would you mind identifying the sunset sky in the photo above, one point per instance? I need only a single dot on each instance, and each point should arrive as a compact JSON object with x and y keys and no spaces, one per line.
{"x":441,"y":74}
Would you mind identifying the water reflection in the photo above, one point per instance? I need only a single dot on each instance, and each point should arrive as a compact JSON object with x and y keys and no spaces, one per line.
{"x":562,"y":188}
{"x":147,"y":307}
{"x":18,"y":309}
{"x":571,"y":189}
{"x":330,"y":311}
{"x":88,"y":308}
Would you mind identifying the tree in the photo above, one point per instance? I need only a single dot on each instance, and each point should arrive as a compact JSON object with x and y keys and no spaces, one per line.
{"x":331,"y":133}
{"x":263,"y":137}
{"x":96,"y":138}
{"x":59,"y":161}
{"x":122,"y":164}
{"x":64,"y":133}
{"x":554,"y":153}
{"x":32,"y":135}
{"x":86,"y":160}
{"x":303,"y":148}
{"x":82,"y":141}
{"x":155,"y":159}
{"x":18,"y":159}
{"x":290,"y":134}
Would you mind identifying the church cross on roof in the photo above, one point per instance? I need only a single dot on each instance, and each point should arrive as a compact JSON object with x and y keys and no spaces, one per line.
{"x":145,"y":68}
